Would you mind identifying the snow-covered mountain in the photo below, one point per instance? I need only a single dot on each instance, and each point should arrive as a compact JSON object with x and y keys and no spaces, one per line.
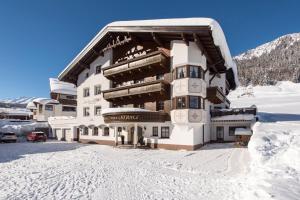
{"x":20,"y":102}
{"x":278,"y":60}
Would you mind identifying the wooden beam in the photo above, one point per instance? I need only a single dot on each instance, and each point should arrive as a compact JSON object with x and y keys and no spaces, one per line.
{"x":157,"y":40}
{"x":210,"y":80}
{"x":186,"y":41}
{"x":201,"y":47}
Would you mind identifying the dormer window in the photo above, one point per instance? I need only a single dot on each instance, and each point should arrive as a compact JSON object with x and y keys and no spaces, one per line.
{"x":98,"y":69}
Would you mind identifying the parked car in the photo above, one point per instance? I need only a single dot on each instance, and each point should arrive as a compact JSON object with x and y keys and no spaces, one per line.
{"x":8,"y":137}
{"x":36,"y":136}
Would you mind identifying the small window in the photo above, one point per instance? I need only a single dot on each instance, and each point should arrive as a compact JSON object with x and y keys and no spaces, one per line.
{"x":40,"y":108}
{"x":86,"y":111}
{"x":181,"y":102}
{"x":70,"y":97}
{"x":159,"y":77}
{"x":106,"y":131}
{"x":97,"y":89}
{"x":155,"y":131}
{"x":232,"y":130}
{"x":194,"y":102}
{"x":95,"y":131}
{"x":160,"y":105}
{"x":98,"y":69}
{"x":85,"y":131}
{"x":87,"y":75}
{"x":68,"y":109}
{"x":181,"y":72}
{"x":194,"y":72}
{"x":86,"y":92}
{"x":165,"y":132}
{"x":98,"y":110}
{"x":49,"y":107}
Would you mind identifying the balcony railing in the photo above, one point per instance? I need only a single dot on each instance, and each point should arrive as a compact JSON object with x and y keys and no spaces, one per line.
{"x":216,"y":95}
{"x":147,"y":65}
{"x":233,"y":111}
{"x":145,"y":91}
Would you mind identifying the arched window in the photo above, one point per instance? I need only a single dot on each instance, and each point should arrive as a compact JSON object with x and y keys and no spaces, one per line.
{"x":86,"y":131}
{"x":95,"y":131}
{"x":106,"y":131}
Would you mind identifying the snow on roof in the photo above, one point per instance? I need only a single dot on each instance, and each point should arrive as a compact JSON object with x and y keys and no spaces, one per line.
{"x":31,"y":106}
{"x":217,"y":34}
{"x":247,"y":117}
{"x":242,"y":131}
{"x":117,"y":110}
{"x":57,"y":86}
{"x":45,"y":101}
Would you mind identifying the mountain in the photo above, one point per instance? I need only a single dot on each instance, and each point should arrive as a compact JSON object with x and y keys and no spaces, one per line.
{"x":278,"y":60}
{"x":20,"y":102}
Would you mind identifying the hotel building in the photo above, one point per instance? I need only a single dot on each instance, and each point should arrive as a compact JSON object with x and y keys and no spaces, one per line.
{"x":159,"y":83}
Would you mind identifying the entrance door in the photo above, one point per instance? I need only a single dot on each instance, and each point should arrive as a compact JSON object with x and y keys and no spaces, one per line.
{"x":63,"y":137}
{"x":139,"y":135}
{"x":220,"y":133}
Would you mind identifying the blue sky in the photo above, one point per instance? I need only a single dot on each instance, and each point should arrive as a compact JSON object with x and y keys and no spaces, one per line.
{"x":39,"y":38}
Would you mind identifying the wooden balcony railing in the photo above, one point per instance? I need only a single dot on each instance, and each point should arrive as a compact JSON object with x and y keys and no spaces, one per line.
{"x":233,"y":111}
{"x":145,"y":91}
{"x":216,"y":95}
{"x":147,"y":65}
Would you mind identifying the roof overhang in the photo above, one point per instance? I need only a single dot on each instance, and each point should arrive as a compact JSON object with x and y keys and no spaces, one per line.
{"x":204,"y":30}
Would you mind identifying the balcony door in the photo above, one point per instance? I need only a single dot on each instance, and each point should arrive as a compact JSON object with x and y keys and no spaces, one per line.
{"x":220,"y":133}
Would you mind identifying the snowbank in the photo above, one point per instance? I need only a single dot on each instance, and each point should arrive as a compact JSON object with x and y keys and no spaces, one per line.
{"x":57,"y":86}
{"x":20,"y":127}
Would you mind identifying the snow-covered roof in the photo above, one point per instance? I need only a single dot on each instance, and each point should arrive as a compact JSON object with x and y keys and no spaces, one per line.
{"x":118,"y":110}
{"x":217,"y":34}
{"x":246,"y":117}
{"x":242,"y":131}
{"x":15,"y":111}
{"x":45,"y":101}
{"x":31,"y":106}
{"x":57,"y":86}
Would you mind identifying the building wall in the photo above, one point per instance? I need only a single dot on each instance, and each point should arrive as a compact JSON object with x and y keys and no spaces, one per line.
{"x":57,"y":111}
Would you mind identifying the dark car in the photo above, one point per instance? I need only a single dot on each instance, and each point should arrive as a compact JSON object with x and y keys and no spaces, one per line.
{"x":8,"y":137}
{"x":36,"y":136}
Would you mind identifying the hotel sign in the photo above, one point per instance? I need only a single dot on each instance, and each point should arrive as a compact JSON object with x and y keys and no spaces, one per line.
{"x":135,"y":117}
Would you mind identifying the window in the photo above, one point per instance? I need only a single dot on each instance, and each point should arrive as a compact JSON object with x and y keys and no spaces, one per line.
{"x":98,"y":110}
{"x":141,"y":105}
{"x":195,"y":102}
{"x":165,"y":132}
{"x":87,"y":75}
{"x":98,"y":69}
{"x":159,"y":105}
{"x":106,"y":131}
{"x":194,"y":72}
{"x":86,"y":111}
{"x":85,"y":131}
{"x":220,"y":133}
{"x":70,"y":97}
{"x":95,"y":131}
{"x":159,"y":77}
{"x":155,"y":131}
{"x":49,"y":107}
{"x":86,"y":92}
{"x":97,"y":89}
{"x":181,"y":102}
{"x":68,"y":109}
{"x":181,"y":72}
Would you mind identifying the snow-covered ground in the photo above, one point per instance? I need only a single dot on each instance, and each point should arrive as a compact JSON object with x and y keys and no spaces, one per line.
{"x":58,"y":170}
{"x":275,"y":145}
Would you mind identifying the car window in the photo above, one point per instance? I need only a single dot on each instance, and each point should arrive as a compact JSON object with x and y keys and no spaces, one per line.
{"x":40,"y":134}
{"x":10,"y":134}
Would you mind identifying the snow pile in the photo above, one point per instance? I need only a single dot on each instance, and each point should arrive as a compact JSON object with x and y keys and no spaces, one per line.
{"x":20,"y":127}
{"x":268,"y":47}
{"x":57,"y":86}
{"x":275,"y":144}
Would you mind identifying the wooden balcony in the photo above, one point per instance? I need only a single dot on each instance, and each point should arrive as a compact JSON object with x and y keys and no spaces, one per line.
{"x":216,"y":95}
{"x":143,"y":66}
{"x":138,"y":93}
{"x":233,"y":111}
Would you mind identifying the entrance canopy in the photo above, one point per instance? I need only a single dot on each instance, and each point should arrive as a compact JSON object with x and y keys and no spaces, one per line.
{"x":121,"y":115}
